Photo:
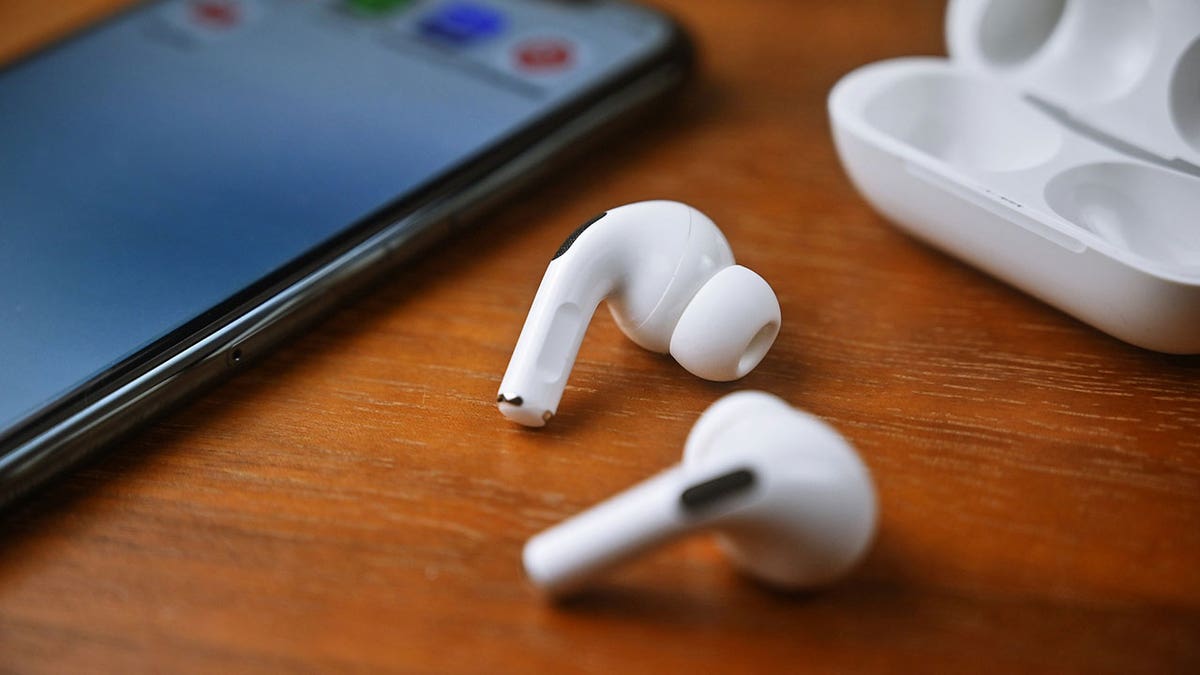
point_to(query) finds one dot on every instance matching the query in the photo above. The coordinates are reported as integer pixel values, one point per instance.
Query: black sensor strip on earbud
(704, 495)
(575, 235)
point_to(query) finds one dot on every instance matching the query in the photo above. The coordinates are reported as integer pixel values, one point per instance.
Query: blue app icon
(462, 23)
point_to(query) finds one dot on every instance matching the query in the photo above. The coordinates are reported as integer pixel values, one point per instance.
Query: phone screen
(153, 167)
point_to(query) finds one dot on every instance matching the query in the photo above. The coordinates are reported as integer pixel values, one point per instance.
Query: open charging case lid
(1058, 149)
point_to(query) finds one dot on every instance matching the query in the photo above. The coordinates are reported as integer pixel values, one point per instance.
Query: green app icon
(376, 6)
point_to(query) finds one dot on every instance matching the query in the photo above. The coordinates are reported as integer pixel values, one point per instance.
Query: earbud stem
(537, 374)
(561, 558)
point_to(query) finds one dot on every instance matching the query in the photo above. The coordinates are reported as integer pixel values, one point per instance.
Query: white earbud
(790, 499)
(669, 279)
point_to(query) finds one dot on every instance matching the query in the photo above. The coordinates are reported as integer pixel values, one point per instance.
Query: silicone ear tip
(728, 327)
(724, 413)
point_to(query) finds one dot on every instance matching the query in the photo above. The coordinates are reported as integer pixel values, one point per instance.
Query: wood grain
(355, 502)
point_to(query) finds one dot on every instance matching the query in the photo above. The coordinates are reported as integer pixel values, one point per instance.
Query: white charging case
(1058, 149)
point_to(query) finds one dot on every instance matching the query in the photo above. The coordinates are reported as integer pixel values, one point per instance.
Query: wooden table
(355, 502)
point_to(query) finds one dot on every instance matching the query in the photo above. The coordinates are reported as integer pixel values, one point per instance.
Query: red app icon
(211, 20)
(216, 14)
(544, 55)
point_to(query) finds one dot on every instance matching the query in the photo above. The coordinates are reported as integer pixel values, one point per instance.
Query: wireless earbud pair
(791, 500)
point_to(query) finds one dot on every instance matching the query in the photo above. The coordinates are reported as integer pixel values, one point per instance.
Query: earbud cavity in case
(1057, 149)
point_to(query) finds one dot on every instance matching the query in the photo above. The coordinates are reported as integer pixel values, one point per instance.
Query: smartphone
(189, 181)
